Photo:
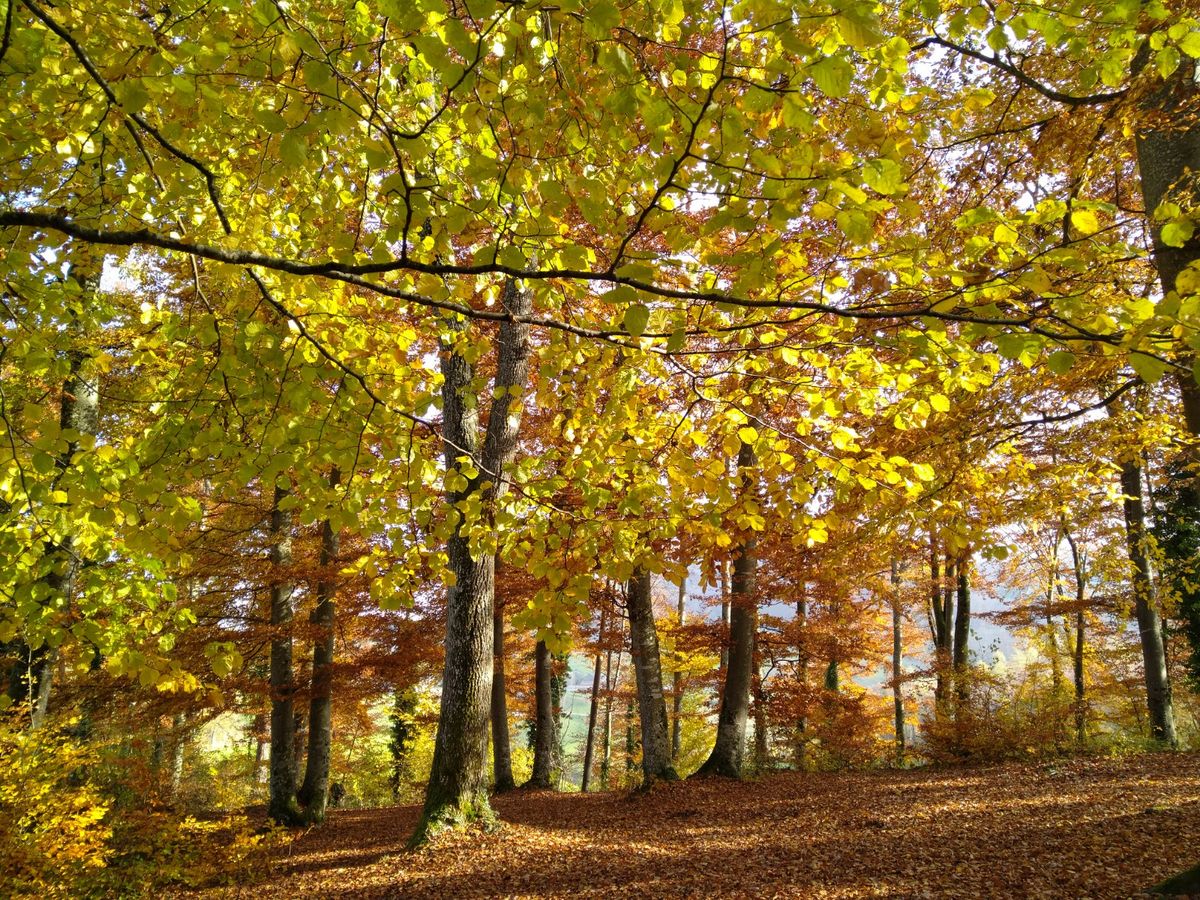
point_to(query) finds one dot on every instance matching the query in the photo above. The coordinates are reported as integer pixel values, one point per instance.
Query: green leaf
(1190, 44)
(883, 176)
(1178, 232)
(1060, 361)
(832, 75)
(637, 317)
(1149, 368)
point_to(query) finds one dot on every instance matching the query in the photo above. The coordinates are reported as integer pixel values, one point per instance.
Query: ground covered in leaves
(1075, 828)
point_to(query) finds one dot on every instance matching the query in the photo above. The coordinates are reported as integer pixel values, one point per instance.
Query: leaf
(1149, 368)
(1085, 221)
(1178, 232)
(637, 317)
(832, 75)
(1060, 361)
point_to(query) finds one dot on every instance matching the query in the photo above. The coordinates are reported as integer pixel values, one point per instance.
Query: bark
(941, 636)
(543, 726)
(606, 754)
(725, 615)
(314, 793)
(1080, 696)
(729, 750)
(1158, 687)
(457, 789)
(501, 743)
(801, 677)
(762, 750)
(31, 678)
(589, 753)
(647, 671)
(897, 657)
(677, 682)
(282, 803)
(962, 627)
(179, 742)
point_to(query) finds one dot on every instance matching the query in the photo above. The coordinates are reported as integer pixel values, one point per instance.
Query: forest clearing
(778, 418)
(1075, 828)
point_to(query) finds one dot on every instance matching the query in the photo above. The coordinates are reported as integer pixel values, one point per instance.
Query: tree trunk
(938, 619)
(962, 627)
(647, 671)
(501, 744)
(606, 755)
(725, 616)
(314, 793)
(543, 726)
(729, 750)
(677, 682)
(1080, 697)
(457, 790)
(593, 712)
(1158, 687)
(801, 677)
(762, 750)
(897, 657)
(32, 677)
(282, 804)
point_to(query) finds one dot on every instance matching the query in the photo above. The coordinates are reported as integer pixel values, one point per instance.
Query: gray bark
(962, 626)
(897, 658)
(282, 803)
(501, 745)
(314, 793)
(729, 750)
(543, 724)
(457, 790)
(1158, 687)
(647, 670)
(1080, 695)
(593, 712)
(677, 682)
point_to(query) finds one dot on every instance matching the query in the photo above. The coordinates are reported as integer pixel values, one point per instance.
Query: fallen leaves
(1098, 828)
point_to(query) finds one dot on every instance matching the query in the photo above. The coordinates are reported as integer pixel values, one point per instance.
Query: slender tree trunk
(593, 710)
(179, 742)
(1080, 697)
(457, 789)
(725, 616)
(677, 682)
(606, 754)
(282, 804)
(801, 677)
(897, 657)
(543, 723)
(1158, 687)
(314, 793)
(501, 744)
(962, 627)
(938, 619)
(32, 678)
(730, 747)
(647, 671)
(762, 750)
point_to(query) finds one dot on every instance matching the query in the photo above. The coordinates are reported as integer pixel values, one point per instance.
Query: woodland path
(1100, 828)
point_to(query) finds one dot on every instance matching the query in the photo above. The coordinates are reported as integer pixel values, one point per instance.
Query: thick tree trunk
(729, 750)
(543, 723)
(501, 743)
(897, 657)
(457, 790)
(647, 671)
(1158, 687)
(677, 682)
(282, 803)
(314, 793)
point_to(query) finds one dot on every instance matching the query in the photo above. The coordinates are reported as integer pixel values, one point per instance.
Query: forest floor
(1071, 828)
